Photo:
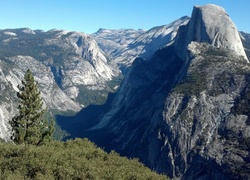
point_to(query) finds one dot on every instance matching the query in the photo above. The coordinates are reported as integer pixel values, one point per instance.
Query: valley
(175, 96)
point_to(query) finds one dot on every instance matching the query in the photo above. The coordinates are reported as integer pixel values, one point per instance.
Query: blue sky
(90, 15)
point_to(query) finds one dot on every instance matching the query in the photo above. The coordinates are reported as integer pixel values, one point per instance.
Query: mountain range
(175, 96)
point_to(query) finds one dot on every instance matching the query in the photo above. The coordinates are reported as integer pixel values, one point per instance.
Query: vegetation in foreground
(74, 159)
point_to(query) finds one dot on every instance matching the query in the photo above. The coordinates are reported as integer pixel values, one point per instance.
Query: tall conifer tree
(30, 127)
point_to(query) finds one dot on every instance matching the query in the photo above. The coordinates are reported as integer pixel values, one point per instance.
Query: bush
(74, 159)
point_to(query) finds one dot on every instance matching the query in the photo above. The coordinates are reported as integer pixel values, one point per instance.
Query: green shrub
(74, 159)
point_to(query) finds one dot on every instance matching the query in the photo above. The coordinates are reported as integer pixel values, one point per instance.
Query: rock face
(210, 23)
(112, 41)
(70, 68)
(143, 44)
(184, 112)
(54, 97)
(84, 65)
(245, 38)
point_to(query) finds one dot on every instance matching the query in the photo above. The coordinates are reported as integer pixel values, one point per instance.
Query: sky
(90, 15)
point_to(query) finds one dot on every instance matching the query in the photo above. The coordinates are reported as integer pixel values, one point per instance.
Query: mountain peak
(210, 23)
(211, 8)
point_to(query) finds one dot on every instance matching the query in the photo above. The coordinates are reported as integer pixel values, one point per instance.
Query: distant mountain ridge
(113, 40)
(143, 44)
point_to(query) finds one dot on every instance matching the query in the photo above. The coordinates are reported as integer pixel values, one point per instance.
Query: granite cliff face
(185, 111)
(211, 24)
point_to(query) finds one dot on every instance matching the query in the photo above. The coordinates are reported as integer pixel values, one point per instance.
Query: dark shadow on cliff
(77, 125)
(207, 168)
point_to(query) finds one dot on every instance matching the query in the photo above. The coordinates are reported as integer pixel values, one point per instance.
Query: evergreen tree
(30, 127)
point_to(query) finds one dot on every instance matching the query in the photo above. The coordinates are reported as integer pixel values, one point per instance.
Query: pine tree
(30, 127)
